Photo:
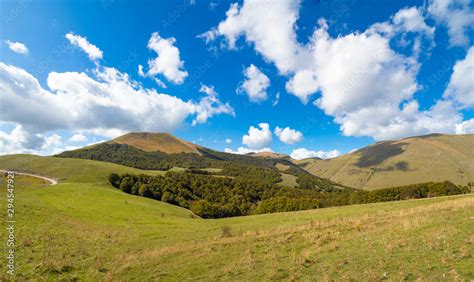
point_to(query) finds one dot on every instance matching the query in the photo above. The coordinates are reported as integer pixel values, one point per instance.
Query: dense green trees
(254, 191)
(314, 183)
(206, 195)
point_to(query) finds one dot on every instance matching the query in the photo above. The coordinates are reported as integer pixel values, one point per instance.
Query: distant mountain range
(434, 157)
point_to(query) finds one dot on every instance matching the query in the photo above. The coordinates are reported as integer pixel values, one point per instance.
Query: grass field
(68, 170)
(288, 180)
(84, 229)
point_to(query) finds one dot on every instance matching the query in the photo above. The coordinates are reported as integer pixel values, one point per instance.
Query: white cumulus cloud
(465, 127)
(107, 103)
(91, 50)
(243, 150)
(78, 137)
(268, 25)
(288, 135)
(461, 84)
(457, 15)
(364, 84)
(257, 139)
(167, 63)
(303, 153)
(17, 47)
(210, 105)
(255, 84)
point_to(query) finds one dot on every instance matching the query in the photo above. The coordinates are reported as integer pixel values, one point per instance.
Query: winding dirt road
(50, 180)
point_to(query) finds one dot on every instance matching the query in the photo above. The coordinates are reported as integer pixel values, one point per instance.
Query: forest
(255, 191)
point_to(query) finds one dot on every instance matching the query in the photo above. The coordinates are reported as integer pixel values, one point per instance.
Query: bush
(115, 179)
(226, 231)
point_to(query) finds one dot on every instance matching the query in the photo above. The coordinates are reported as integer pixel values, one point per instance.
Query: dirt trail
(50, 180)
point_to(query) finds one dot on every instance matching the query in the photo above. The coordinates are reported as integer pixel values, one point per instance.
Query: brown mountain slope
(432, 157)
(151, 142)
(269, 155)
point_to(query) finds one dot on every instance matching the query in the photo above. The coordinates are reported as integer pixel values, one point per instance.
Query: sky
(305, 78)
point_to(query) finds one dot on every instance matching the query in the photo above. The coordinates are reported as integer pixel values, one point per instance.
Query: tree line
(251, 190)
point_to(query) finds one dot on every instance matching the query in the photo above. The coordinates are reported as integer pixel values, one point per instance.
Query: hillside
(151, 142)
(68, 170)
(411, 160)
(269, 155)
(90, 231)
(162, 151)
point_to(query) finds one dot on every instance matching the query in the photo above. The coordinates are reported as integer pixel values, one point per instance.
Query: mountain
(434, 157)
(271, 155)
(162, 151)
(152, 142)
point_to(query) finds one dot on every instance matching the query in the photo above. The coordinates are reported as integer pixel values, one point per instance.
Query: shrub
(226, 231)
(115, 179)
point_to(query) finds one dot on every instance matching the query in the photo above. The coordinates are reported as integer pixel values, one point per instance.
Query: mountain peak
(157, 141)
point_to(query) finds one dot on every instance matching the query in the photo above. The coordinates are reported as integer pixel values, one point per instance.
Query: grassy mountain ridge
(152, 142)
(134, 155)
(434, 157)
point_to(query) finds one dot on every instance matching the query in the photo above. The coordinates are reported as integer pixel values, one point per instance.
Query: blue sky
(348, 73)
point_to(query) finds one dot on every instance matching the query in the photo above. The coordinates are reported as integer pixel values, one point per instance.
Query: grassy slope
(151, 142)
(91, 231)
(430, 158)
(288, 180)
(67, 170)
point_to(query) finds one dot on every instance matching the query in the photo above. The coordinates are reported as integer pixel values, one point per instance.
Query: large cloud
(257, 139)
(465, 127)
(362, 82)
(109, 102)
(458, 17)
(167, 63)
(461, 85)
(21, 141)
(268, 25)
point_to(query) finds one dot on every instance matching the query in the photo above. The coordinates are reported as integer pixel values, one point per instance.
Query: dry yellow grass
(288, 180)
(163, 142)
(269, 155)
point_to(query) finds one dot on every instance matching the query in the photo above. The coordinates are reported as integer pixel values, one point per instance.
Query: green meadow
(84, 229)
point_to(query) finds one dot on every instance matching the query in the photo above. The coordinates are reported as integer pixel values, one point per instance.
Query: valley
(101, 233)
